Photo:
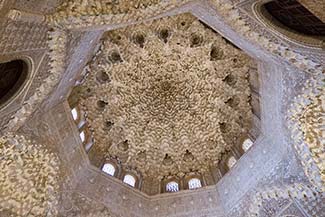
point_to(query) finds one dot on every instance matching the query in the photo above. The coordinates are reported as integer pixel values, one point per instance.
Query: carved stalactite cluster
(28, 178)
(307, 125)
(296, 191)
(232, 16)
(91, 7)
(306, 120)
(308, 142)
(230, 13)
(167, 97)
(314, 206)
(312, 124)
(87, 13)
(306, 114)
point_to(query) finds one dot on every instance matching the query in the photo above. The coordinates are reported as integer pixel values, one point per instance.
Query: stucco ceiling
(167, 97)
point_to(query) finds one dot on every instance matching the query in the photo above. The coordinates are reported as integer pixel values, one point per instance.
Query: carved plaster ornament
(188, 156)
(86, 17)
(305, 118)
(123, 146)
(231, 14)
(79, 14)
(167, 160)
(14, 14)
(56, 43)
(293, 191)
(28, 179)
(175, 91)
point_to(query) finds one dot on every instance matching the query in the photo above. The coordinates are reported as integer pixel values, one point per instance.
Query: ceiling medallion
(172, 94)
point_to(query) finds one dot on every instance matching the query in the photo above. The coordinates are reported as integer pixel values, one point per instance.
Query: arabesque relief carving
(167, 109)
(29, 180)
(167, 98)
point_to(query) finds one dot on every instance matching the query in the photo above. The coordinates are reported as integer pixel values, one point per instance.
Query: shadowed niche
(13, 75)
(295, 16)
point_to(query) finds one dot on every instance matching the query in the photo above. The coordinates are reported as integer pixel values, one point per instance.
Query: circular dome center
(166, 86)
(167, 94)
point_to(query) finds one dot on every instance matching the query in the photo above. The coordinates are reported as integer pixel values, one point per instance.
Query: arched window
(82, 136)
(292, 20)
(129, 179)
(194, 183)
(295, 16)
(231, 162)
(172, 187)
(109, 169)
(247, 144)
(74, 113)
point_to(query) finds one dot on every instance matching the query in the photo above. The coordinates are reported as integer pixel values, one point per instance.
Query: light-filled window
(247, 144)
(231, 162)
(74, 113)
(109, 169)
(172, 187)
(194, 183)
(130, 180)
(82, 136)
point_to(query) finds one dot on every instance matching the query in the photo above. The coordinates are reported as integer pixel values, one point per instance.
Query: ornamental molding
(20, 94)
(29, 178)
(305, 118)
(56, 44)
(283, 32)
(168, 97)
(225, 9)
(232, 17)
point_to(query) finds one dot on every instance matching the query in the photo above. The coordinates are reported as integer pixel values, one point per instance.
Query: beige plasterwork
(178, 106)
(307, 118)
(223, 7)
(89, 13)
(29, 178)
(233, 18)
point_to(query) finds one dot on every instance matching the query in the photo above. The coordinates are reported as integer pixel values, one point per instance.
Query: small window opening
(194, 183)
(82, 136)
(231, 162)
(247, 144)
(130, 180)
(172, 187)
(74, 113)
(109, 169)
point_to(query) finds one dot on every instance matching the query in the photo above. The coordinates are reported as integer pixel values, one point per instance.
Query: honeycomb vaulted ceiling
(166, 97)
